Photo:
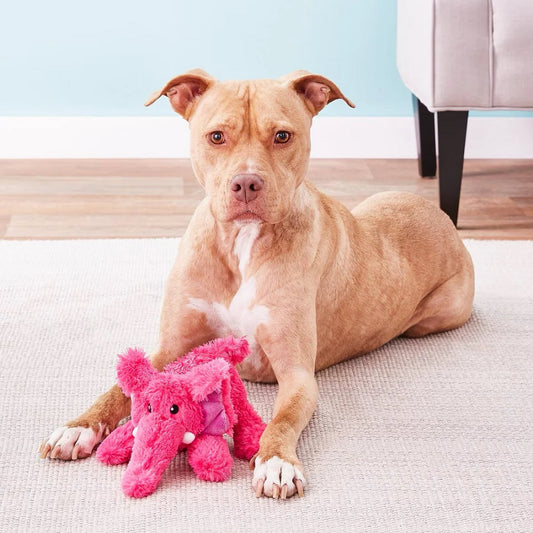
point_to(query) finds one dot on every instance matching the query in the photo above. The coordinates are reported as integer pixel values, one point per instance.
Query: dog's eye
(282, 137)
(217, 137)
(174, 409)
(149, 408)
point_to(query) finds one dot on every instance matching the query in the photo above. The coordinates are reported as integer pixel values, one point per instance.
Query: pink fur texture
(192, 403)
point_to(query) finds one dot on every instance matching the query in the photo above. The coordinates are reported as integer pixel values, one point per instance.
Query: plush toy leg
(116, 448)
(247, 432)
(210, 458)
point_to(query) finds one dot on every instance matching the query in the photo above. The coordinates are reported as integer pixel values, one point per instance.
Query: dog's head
(250, 140)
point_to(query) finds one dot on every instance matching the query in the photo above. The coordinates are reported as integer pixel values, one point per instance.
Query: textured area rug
(433, 434)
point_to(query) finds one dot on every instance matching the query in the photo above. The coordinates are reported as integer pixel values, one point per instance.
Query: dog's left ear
(316, 91)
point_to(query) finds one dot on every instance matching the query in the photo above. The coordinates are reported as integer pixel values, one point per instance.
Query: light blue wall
(104, 57)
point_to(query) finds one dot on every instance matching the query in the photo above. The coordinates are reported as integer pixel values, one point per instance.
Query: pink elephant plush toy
(191, 404)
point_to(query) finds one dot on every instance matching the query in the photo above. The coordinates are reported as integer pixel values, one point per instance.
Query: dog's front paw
(277, 478)
(71, 443)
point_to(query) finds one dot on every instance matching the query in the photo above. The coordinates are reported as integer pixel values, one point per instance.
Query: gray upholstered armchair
(458, 55)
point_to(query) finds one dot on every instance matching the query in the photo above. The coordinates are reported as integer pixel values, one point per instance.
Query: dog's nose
(246, 187)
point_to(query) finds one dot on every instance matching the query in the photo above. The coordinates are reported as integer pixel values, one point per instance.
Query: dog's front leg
(277, 469)
(78, 438)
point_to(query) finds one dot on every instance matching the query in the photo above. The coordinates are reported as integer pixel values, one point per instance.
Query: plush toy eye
(149, 408)
(282, 137)
(174, 409)
(217, 137)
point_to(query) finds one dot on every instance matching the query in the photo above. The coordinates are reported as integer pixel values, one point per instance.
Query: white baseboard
(168, 137)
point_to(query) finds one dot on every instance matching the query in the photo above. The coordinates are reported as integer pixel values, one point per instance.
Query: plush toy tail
(231, 349)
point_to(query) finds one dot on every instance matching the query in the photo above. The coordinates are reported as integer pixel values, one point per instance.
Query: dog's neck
(238, 243)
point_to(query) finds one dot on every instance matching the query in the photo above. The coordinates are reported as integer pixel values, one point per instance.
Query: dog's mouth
(247, 216)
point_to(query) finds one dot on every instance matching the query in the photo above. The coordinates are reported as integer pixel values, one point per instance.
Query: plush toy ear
(134, 371)
(184, 90)
(315, 90)
(204, 379)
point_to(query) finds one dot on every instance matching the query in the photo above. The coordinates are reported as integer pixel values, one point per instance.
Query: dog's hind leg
(446, 307)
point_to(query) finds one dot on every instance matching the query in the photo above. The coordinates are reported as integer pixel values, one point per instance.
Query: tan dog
(268, 256)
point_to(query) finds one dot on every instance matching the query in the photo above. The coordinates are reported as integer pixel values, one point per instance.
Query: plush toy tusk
(134, 432)
(188, 437)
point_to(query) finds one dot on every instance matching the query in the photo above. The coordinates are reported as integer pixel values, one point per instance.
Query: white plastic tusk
(188, 437)
(134, 432)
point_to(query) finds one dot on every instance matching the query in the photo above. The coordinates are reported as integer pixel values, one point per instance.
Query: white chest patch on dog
(243, 245)
(241, 318)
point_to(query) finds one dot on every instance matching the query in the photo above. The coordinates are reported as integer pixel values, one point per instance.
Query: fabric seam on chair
(490, 6)
(433, 69)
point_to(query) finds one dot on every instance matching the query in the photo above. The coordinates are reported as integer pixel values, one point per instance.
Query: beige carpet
(434, 434)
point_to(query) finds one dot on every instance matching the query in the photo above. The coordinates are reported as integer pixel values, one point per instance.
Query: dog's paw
(277, 478)
(71, 443)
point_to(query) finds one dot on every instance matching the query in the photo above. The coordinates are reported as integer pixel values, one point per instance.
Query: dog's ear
(316, 91)
(183, 90)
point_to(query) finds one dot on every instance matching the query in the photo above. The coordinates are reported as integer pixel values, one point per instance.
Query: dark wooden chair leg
(425, 139)
(452, 135)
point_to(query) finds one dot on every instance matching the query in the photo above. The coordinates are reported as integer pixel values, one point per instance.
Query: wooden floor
(71, 199)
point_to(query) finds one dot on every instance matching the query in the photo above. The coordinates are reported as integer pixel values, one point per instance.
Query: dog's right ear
(184, 90)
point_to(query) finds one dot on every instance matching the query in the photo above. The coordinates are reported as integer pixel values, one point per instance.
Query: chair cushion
(475, 54)
(512, 48)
